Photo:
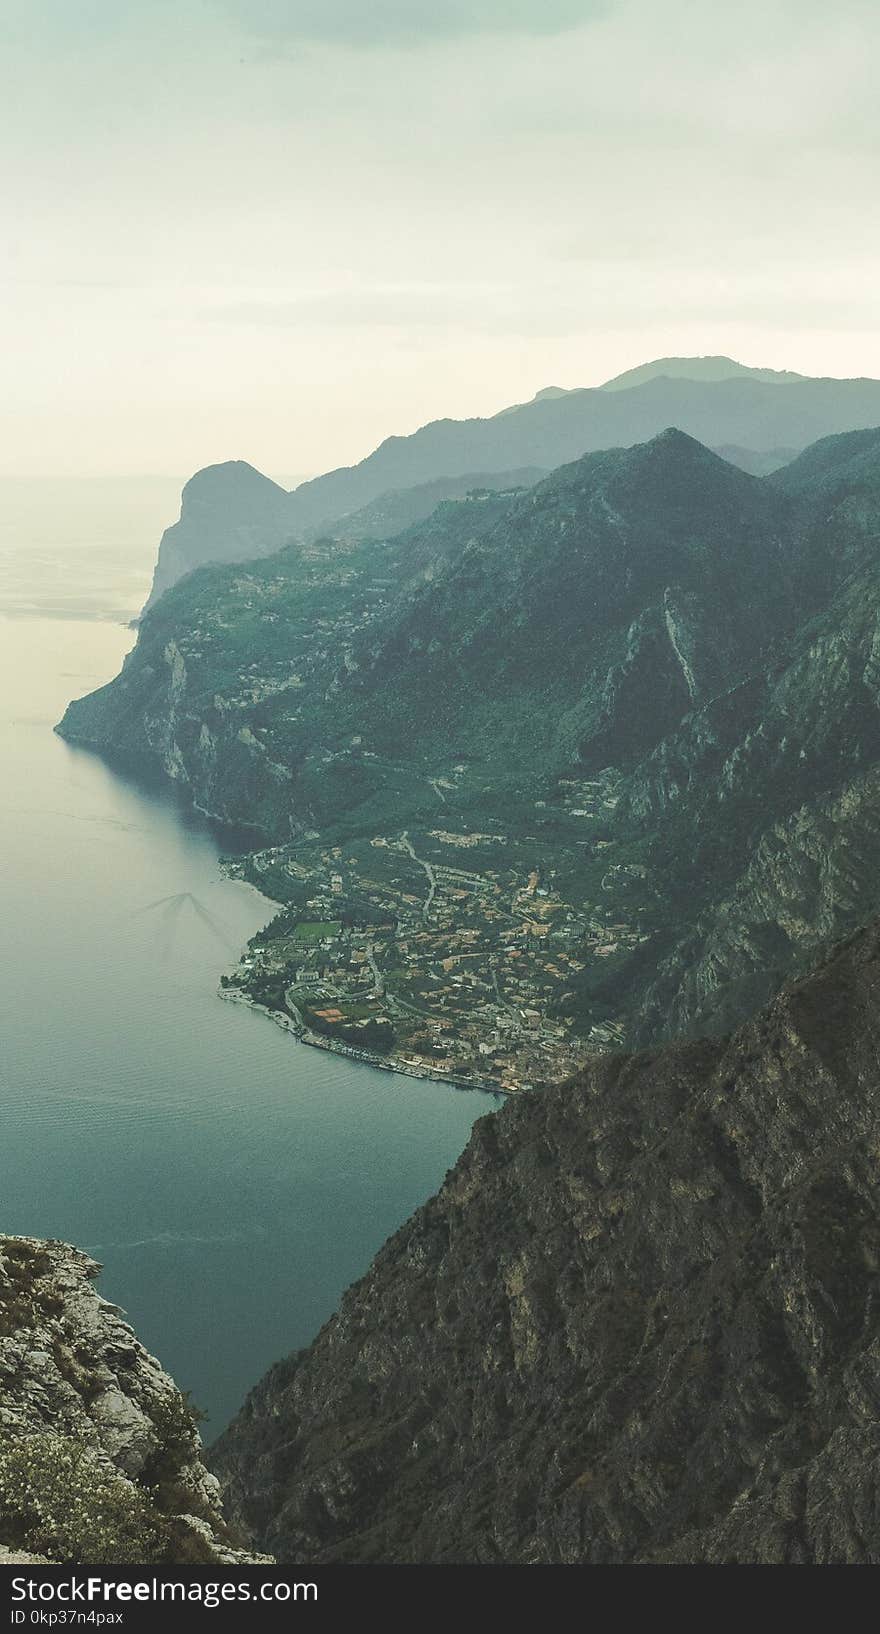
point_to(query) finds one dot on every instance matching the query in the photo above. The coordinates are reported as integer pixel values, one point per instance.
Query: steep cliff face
(228, 513)
(638, 1323)
(100, 1459)
(766, 799)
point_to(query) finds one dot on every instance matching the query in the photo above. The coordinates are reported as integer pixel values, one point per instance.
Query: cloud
(404, 22)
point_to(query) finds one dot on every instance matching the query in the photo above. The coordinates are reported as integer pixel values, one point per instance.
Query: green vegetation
(365, 1032)
(27, 1298)
(315, 931)
(58, 1498)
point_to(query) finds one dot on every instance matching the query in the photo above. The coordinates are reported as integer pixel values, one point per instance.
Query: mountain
(577, 621)
(100, 1457)
(768, 797)
(627, 721)
(230, 513)
(638, 1323)
(590, 764)
(698, 368)
(392, 512)
(742, 411)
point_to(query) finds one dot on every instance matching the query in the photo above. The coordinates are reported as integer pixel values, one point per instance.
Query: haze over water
(232, 1181)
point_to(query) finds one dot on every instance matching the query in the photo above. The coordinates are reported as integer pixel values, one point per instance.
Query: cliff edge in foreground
(100, 1460)
(640, 1322)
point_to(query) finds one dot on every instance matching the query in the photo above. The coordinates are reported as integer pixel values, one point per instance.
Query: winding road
(432, 878)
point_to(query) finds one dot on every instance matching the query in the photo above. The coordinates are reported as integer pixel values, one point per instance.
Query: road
(432, 878)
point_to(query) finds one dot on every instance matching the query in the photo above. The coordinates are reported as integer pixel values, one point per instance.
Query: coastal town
(458, 955)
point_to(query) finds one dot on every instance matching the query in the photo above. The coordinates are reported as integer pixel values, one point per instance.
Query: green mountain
(645, 689)
(638, 1323)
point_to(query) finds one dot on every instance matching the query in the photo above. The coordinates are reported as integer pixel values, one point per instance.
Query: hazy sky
(281, 229)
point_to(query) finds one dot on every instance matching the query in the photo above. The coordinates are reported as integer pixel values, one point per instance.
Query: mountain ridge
(709, 368)
(740, 413)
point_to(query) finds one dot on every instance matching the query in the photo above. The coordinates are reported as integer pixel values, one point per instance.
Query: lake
(231, 1180)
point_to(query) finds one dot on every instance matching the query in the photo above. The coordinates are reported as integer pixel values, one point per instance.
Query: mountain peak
(674, 437)
(709, 370)
(676, 447)
(231, 477)
(229, 512)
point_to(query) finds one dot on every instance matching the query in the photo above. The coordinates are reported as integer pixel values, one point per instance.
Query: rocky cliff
(639, 1322)
(100, 1458)
(227, 513)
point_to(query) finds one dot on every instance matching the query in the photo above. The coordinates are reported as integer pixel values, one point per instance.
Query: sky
(281, 230)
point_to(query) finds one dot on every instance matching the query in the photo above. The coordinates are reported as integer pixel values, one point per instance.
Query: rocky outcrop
(86, 1411)
(638, 1323)
(228, 513)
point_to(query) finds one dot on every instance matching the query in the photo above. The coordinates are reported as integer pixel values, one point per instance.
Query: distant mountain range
(761, 417)
(706, 369)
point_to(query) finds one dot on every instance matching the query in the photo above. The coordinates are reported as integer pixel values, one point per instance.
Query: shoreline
(284, 1020)
(138, 763)
(304, 1035)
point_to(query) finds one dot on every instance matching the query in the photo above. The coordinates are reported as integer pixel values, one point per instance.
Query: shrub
(57, 1499)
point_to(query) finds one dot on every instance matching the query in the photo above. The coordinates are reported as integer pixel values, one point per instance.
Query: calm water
(232, 1181)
